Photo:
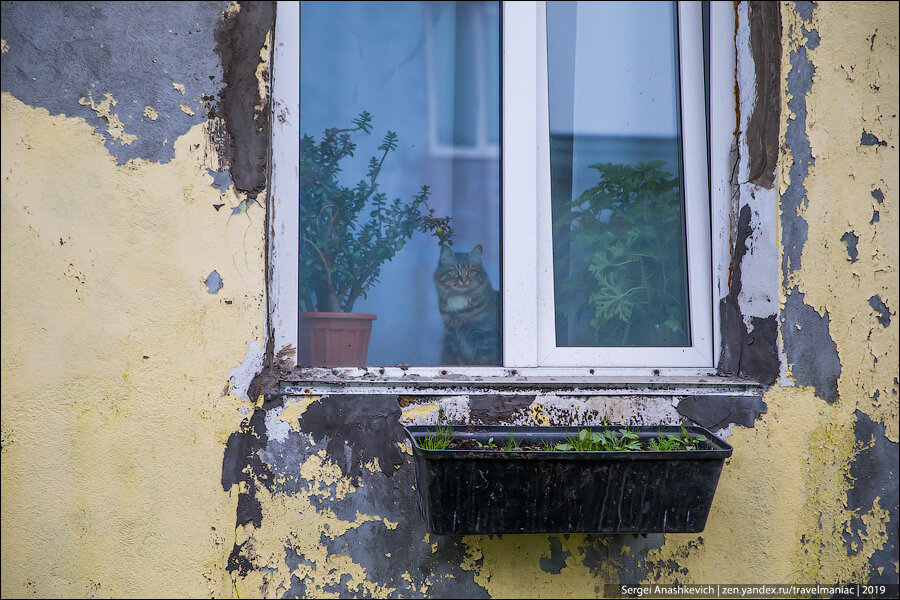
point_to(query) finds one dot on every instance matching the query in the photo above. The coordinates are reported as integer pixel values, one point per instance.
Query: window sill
(501, 380)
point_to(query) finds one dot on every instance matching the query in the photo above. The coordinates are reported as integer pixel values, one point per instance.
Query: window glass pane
(619, 258)
(429, 73)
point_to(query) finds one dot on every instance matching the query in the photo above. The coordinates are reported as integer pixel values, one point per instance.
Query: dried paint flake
(116, 128)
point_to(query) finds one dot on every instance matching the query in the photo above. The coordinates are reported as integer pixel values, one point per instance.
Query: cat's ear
(475, 254)
(447, 254)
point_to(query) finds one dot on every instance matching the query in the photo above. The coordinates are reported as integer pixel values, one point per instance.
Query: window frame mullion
(520, 157)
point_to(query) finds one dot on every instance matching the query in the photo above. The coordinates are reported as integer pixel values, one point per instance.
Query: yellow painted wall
(111, 462)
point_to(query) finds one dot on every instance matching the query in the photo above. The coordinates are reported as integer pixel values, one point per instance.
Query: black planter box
(494, 491)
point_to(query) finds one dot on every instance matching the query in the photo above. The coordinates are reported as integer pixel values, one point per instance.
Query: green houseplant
(627, 235)
(347, 233)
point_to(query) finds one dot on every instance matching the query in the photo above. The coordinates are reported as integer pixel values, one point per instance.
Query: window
(581, 219)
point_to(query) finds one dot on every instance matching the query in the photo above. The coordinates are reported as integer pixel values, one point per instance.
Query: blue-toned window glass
(430, 73)
(620, 267)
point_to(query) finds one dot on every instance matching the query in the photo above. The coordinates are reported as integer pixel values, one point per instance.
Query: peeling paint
(119, 466)
(62, 52)
(116, 128)
(878, 305)
(872, 492)
(241, 375)
(252, 492)
(213, 282)
(851, 239)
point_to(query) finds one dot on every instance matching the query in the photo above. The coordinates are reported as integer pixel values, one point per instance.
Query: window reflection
(620, 276)
(430, 73)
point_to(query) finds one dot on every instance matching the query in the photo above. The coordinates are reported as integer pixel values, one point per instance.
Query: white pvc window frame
(528, 335)
(525, 70)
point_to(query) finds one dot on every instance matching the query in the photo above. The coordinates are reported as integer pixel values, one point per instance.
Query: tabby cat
(470, 309)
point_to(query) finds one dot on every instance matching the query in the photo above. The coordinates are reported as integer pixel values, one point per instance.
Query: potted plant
(341, 254)
(610, 479)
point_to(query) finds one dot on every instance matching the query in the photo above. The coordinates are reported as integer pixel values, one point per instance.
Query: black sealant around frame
(239, 40)
(749, 353)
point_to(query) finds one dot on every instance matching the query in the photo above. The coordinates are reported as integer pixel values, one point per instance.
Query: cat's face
(460, 272)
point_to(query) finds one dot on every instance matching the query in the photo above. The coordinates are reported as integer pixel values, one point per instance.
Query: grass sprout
(511, 443)
(441, 437)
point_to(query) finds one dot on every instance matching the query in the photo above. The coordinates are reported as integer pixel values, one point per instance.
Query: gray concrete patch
(221, 180)
(878, 305)
(62, 52)
(213, 282)
(752, 354)
(851, 239)
(358, 429)
(556, 562)
(810, 350)
(868, 139)
(762, 130)
(873, 474)
(246, 115)
(808, 346)
(794, 228)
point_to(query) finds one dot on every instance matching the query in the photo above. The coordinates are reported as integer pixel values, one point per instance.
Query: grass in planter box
(585, 441)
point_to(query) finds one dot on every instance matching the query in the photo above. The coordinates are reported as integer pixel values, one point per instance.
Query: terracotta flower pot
(334, 339)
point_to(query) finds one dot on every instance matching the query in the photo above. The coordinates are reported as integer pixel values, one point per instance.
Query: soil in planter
(470, 444)
(528, 446)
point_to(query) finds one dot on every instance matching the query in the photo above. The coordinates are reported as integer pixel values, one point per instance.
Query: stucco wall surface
(133, 464)
(116, 355)
(810, 494)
